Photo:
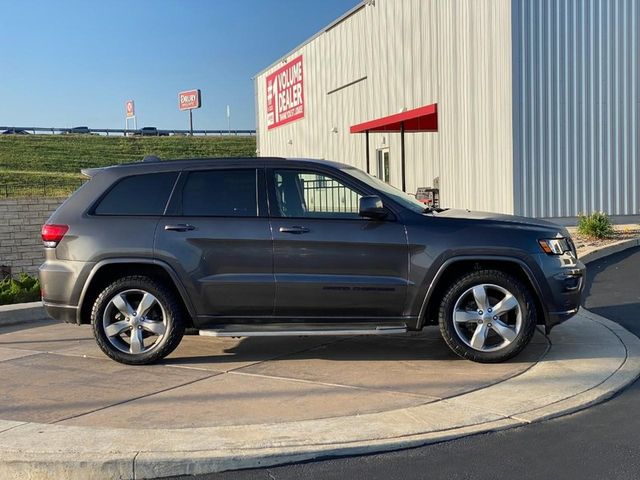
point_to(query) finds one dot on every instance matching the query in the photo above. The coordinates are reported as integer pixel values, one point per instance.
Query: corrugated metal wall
(576, 107)
(456, 53)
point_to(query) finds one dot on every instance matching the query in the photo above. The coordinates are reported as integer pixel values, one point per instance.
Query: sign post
(130, 114)
(188, 100)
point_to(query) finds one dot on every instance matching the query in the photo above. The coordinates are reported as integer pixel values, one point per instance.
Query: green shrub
(19, 290)
(596, 225)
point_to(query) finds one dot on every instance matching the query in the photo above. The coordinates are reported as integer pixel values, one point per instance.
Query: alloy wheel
(487, 317)
(134, 321)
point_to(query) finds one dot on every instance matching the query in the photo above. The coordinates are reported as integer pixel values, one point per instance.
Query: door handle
(180, 227)
(295, 229)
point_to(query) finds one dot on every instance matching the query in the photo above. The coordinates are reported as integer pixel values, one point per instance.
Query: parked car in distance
(77, 131)
(274, 246)
(152, 131)
(15, 131)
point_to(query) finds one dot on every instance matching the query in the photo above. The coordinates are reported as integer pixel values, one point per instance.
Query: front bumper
(556, 318)
(565, 281)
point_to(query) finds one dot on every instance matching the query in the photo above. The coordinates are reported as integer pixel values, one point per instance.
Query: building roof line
(333, 24)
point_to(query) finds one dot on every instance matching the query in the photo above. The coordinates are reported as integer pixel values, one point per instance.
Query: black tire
(457, 291)
(171, 310)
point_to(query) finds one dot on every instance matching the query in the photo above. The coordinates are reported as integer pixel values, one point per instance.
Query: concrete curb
(21, 313)
(598, 253)
(591, 358)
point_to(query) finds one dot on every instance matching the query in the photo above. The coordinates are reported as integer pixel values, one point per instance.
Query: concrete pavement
(219, 404)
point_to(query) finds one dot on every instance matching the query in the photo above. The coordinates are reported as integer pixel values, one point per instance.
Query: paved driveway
(55, 373)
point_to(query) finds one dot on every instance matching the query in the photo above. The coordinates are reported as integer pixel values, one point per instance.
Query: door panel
(354, 268)
(227, 263)
(329, 262)
(218, 238)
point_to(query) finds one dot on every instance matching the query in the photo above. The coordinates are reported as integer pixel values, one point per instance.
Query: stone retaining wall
(20, 223)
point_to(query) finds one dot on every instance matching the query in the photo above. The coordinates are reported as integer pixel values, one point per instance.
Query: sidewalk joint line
(518, 419)
(133, 466)
(612, 374)
(30, 354)
(11, 428)
(135, 398)
(533, 364)
(337, 385)
(308, 349)
(258, 362)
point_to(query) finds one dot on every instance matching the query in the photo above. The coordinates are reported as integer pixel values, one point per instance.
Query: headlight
(555, 246)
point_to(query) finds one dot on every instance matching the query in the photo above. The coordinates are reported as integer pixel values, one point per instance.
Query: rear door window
(220, 193)
(138, 195)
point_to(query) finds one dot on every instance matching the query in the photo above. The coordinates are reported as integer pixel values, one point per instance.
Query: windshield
(396, 195)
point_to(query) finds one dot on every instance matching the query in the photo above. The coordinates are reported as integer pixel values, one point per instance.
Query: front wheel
(487, 316)
(137, 320)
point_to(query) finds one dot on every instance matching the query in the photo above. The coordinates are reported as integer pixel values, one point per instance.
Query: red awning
(421, 119)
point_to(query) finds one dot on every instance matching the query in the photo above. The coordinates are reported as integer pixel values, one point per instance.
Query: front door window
(301, 194)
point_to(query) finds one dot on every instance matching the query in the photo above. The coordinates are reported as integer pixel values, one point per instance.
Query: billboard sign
(130, 108)
(285, 94)
(189, 99)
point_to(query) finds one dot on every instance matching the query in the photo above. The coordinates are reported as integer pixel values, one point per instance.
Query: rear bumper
(62, 313)
(61, 282)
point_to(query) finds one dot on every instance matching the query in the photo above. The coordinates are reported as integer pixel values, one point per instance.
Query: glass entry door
(382, 155)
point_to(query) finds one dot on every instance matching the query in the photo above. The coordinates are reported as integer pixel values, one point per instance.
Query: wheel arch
(105, 271)
(454, 267)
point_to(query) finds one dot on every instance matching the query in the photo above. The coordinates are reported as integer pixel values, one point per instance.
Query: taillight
(52, 234)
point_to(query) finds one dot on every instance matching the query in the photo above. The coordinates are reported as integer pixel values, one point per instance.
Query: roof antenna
(151, 158)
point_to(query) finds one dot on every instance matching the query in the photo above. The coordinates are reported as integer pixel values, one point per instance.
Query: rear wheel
(487, 316)
(137, 320)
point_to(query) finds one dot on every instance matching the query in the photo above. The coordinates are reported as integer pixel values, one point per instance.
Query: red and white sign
(189, 99)
(130, 108)
(285, 94)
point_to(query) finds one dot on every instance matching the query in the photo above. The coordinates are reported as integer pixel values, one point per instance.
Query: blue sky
(70, 63)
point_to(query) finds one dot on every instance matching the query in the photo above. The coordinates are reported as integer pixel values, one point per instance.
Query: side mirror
(371, 207)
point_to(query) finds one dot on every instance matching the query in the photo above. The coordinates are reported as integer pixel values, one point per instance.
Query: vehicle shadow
(411, 348)
(15, 327)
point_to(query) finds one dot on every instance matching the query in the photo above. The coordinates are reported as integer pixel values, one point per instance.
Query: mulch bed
(625, 232)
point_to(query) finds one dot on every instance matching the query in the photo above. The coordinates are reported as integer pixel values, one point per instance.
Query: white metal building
(517, 106)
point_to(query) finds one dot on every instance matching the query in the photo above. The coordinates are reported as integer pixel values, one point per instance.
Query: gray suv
(273, 246)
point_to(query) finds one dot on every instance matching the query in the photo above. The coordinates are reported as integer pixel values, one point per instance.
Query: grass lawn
(50, 164)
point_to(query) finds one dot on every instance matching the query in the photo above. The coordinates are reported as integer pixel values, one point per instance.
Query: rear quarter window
(145, 194)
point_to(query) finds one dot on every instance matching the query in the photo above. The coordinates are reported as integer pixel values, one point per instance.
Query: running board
(301, 330)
